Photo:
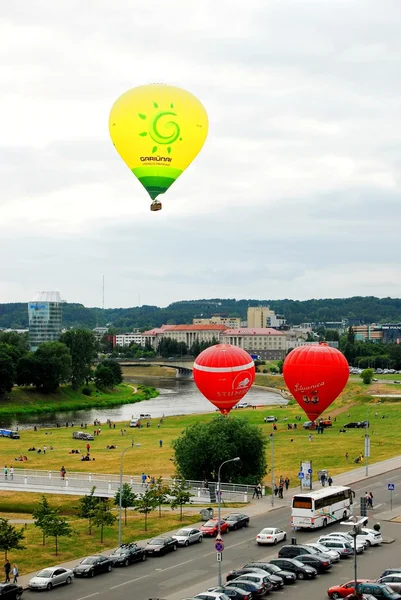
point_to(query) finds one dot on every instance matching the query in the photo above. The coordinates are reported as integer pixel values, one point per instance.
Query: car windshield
(183, 532)
(233, 516)
(120, 551)
(89, 561)
(46, 573)
(267, 531)
(210, 524)
(157, 542)
(390, 593)
(297, 563)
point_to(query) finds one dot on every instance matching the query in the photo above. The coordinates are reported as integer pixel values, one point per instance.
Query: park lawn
(27, 400)
(142, 371)
(81, 543)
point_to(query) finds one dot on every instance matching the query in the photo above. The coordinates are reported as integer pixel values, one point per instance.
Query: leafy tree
(53, 525)
(202, 447)
(10, 537)
(280, 365)
(145, 504)
(104, 377)
(53, 366)
(367, 375)
(102, 516)
(28, 370)
(181, 495)
(7, 369)
(86, 506)
(350, 336)
(160, 491)
(115, 367)
(82, 345)
(19, 341)
(40, 512)
(127, 498)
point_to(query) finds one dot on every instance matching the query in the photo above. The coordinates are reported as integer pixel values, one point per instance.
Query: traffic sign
(301, 475)
(391, 487)
(219, 546)
(219, 557)
(310, 471)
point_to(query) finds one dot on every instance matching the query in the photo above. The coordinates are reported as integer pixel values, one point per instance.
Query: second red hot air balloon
(224, 374)
(315, 376)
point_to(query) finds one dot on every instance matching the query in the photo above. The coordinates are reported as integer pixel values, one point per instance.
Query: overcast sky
(296, 193)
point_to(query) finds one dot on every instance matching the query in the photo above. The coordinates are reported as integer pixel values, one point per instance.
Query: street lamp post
(121, 493)
(367, 443)
(236, 459)
(272, 469)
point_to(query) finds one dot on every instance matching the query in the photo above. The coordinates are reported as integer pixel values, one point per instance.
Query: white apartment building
(261, 317)
(231, 322)
(126, 339)
(266, 342)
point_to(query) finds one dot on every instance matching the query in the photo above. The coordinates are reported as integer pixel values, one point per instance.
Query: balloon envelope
(315, 376)
(158, 130)
(224, 374)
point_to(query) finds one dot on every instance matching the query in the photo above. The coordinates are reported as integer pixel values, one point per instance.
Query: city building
(372, 333)
(194, 333)
(153, 336)
(261, 317)
(126, 339)
(231, 322)
(267, 343)
(291, 344)
(45, 318)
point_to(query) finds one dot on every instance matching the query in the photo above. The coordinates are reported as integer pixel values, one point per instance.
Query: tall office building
(262, 316)
(45, 318)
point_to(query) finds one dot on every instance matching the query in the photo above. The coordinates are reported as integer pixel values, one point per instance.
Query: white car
(188, 535)
(49, 578)
(211, 596)
(372, 537)
(350, 538)
(270, 535)
(344, 540)
(335, 557)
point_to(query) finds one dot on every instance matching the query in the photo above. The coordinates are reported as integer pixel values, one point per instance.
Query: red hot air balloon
(315, 376)
(224, 374)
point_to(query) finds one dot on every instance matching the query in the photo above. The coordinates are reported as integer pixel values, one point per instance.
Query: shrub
(86, 391)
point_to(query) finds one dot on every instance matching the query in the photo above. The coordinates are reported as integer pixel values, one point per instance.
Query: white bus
(322, 507)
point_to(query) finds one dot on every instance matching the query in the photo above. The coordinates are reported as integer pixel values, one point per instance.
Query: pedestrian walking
(275, 489)
(15, 573)
(11, 473)
(286, 483)
(5, 472)
(330, 481)
(255, 492)
(323, 479)
(7, 569)
(44, 449)
(310, 437)
(88, 447)
(161, 443)
(280, 490)
(346, 456)
(143, 477)
(370, 499)
(62, 472)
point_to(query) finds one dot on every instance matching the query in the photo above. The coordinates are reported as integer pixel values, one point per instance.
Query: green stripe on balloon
(159, 182)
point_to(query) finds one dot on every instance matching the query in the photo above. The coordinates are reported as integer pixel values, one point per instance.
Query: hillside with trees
(368, 309)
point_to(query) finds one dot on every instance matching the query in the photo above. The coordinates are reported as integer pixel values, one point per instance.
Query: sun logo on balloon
(163, 132)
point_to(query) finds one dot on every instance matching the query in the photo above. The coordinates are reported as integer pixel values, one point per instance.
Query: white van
(135, 423)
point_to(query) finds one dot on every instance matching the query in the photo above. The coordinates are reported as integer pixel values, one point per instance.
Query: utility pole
(272, 468)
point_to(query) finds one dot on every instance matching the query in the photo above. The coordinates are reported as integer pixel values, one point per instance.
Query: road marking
(121, 584)
(90, 596)
(183, 563)
(378, 505)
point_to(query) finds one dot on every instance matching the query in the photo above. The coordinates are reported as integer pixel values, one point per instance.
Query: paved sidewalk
(263, 506)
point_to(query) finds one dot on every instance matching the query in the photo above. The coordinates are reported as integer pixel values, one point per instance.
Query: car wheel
(143, 557)
(109, 568)
(49, 587)
(126, 562)
(246, 523)
(368, 543)
(174, 548)
(200, 538)
(285, 537)
(300, 576)
(68, 580)
(186, 543)
(18, 596)
(92, 573)
(335, 595)
(275, 541)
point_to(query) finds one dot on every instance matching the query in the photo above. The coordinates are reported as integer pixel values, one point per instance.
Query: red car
(211, 527)
(344, 590)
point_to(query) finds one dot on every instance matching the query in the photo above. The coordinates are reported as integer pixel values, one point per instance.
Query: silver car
(393, 581)
(49, 578)
(188, 535)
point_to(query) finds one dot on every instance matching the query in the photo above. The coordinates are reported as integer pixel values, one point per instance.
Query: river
(176, 397)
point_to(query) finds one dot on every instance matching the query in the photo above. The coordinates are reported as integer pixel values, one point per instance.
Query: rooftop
(253, 331)
(47, 297)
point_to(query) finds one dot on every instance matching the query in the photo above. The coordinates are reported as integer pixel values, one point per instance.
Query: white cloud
(296, 192)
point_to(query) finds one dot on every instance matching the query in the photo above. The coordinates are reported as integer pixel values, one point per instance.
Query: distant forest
(368, 309)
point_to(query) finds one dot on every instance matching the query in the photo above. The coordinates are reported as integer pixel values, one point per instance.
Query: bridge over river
(80, 484)
(183, 367)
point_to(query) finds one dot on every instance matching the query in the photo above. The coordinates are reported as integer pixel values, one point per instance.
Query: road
(191, 570)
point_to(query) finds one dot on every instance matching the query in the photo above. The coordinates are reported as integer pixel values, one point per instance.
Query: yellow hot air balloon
(158, 130)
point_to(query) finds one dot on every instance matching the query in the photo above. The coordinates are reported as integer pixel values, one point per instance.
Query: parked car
(270, 535)
(277, 582)
(127, 554)
(309, 425)
(160, 546)
(211, 527)
(378, 590)
(82, 435)
(360, 540)
(247, 586)
(288, 577)
(211, 596)
(188, 535)
(393, 581)
(334, 556)
(297, 550)
(371, 537)
(390, 571)
(343, 590)
(93, 565)
(232, 592)
(237, 520)
(258, 579)
(292, 564)
(11, 591)
(343, 547)
(352, 425)
(270, 419)
(49, 578)
(313, 560)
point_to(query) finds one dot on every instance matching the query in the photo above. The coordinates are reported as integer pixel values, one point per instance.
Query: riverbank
(28, 401)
